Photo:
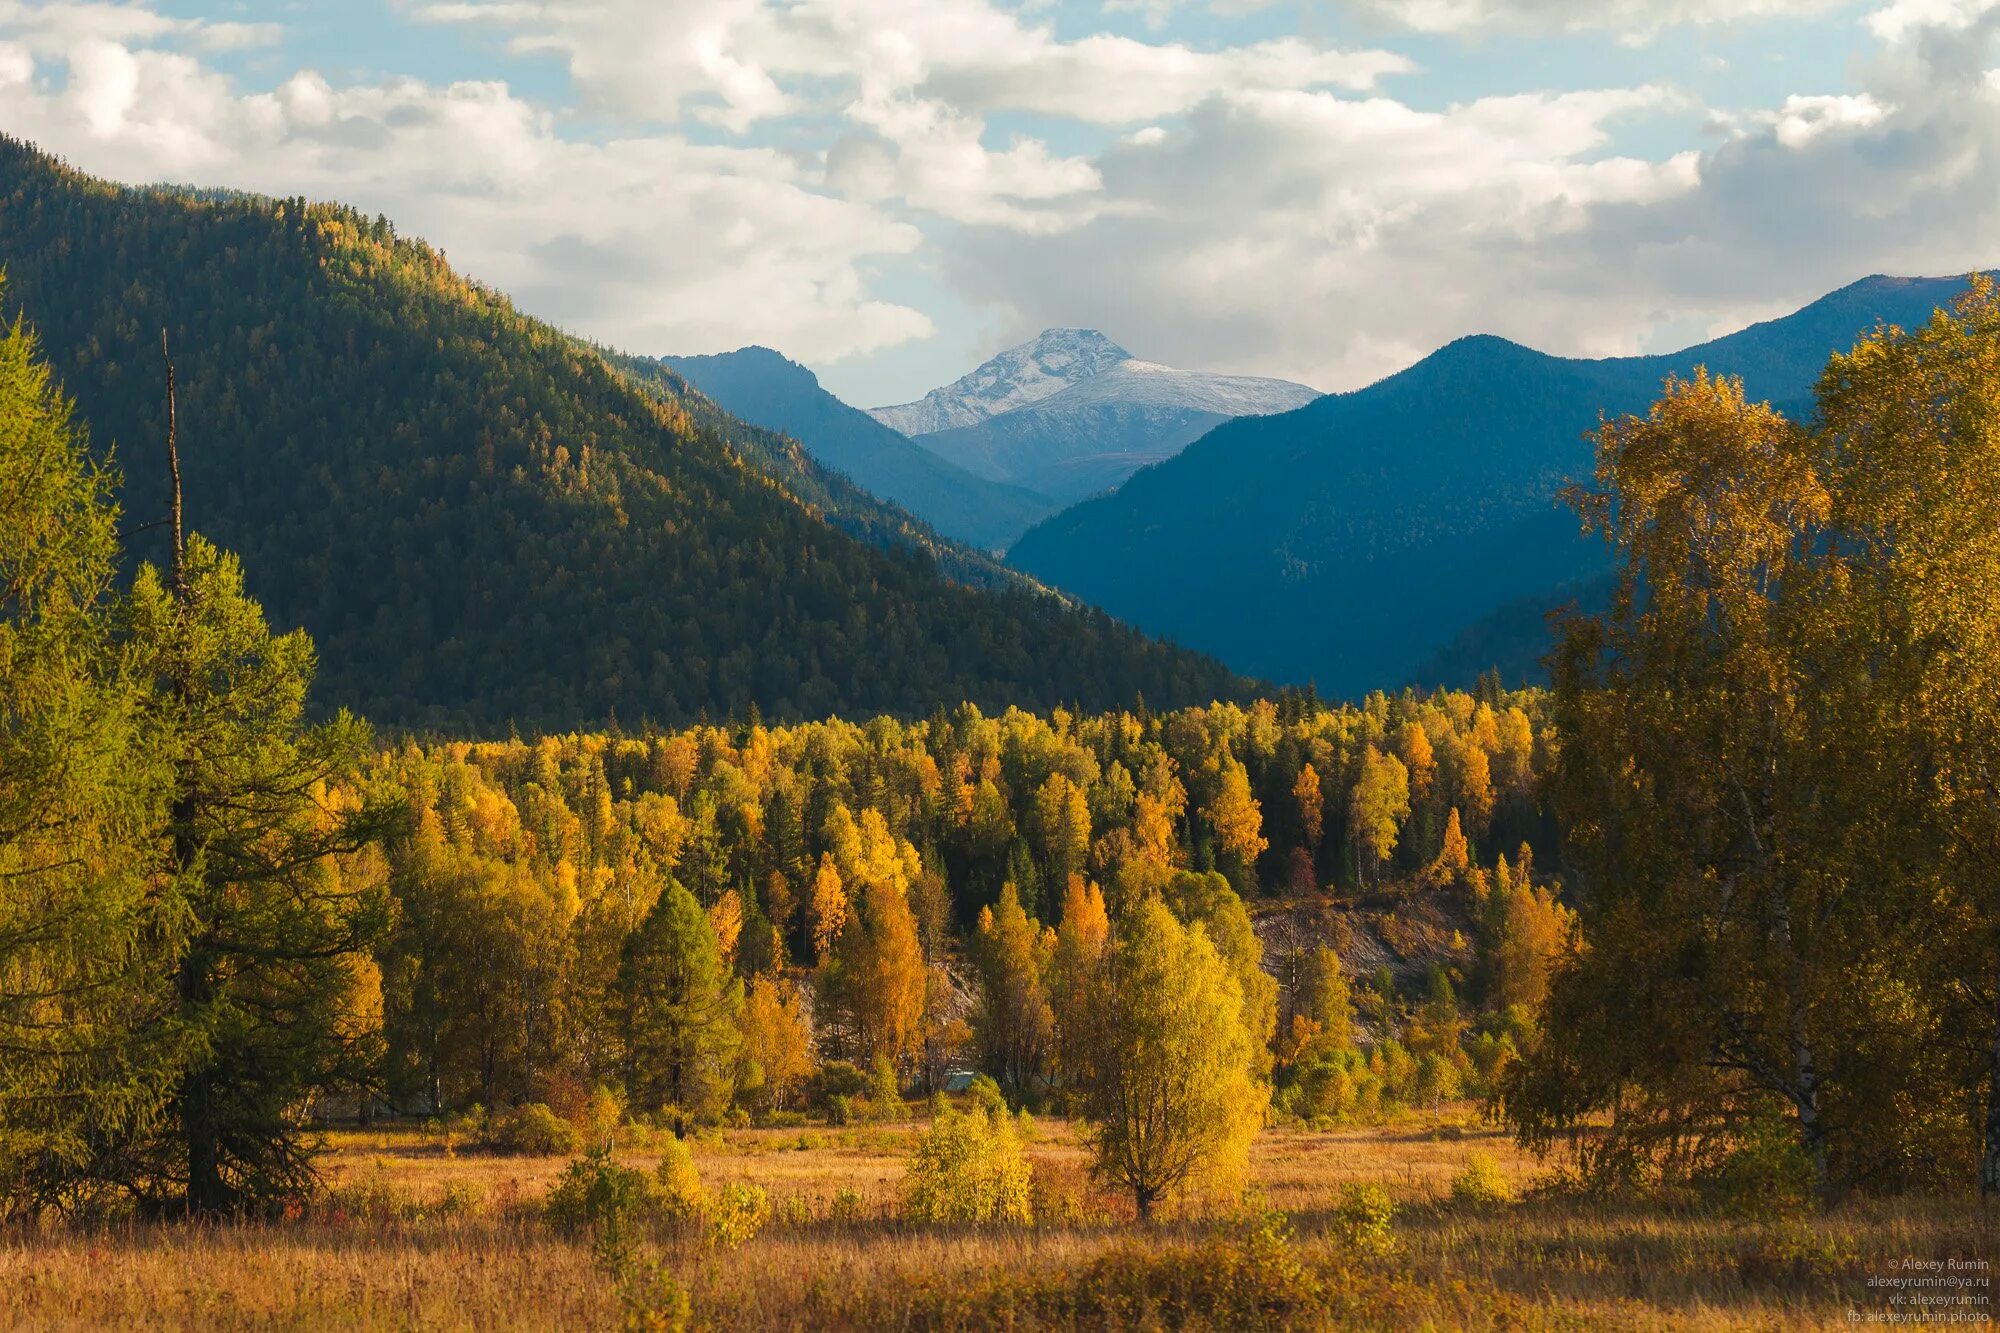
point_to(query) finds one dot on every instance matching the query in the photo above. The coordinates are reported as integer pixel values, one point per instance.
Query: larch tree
(252, 859)
(1172, 1101)
(86, 1057)
(1311, 802)
(777, 1037)
(1454, 859)
(827, 907)
(1062, 817)
(1413, 746)
(1015, 1023)
(875, 978)
(1076, 979)
(1238, 822)
(1377, 807)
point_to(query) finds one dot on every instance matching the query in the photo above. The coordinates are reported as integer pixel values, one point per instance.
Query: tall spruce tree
(678, 1011)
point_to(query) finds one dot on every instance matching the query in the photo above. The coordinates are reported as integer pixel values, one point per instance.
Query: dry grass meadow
(413, 1236)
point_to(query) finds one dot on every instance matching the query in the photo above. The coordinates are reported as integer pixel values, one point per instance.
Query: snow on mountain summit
(1072, 413)
(1039, 368)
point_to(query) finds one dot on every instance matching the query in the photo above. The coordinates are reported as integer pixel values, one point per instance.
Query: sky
(891, 190)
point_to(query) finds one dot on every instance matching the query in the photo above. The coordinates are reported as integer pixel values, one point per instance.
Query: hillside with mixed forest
(483, 522)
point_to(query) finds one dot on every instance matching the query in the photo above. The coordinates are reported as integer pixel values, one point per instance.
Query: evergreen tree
(678, 1012)
(258, 858)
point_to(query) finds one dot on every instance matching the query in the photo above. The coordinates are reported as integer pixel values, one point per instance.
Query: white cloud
(1325, 238)
(736, 57)
(1333, 240)
(1803, 119)
(652, 243)
(912, 80)
(1268, 207)
(1634, 19)
(59, 26)
(1903, 19)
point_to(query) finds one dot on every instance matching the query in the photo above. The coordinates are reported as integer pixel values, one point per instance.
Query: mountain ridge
(484, 522)
(1070, 413)
(1020, 375)
(765, 388)
(1351, 542)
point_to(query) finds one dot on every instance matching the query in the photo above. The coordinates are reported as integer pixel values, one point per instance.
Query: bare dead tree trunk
(174, 477)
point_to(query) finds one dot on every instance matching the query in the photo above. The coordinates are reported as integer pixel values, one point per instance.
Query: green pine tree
(677, 1009)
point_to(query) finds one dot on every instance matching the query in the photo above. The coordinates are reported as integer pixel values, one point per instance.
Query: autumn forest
(463, 795)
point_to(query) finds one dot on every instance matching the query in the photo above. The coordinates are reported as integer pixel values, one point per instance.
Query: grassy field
(415, 1236)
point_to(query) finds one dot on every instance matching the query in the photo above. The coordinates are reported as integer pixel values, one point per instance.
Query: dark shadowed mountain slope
(1362, 540)
(482, 521)
(757, 385)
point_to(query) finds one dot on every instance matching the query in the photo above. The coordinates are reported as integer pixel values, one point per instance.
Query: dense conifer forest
(484, 522)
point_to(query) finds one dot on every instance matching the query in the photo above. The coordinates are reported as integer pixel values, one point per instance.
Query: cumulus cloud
(61, 24)
(1335, 239)
(1903, 19)
(1329, 239)
(912, 83)
(1634, 19)
(653, 243)
(1270, 207)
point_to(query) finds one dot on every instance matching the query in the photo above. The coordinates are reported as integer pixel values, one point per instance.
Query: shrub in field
(835, 1087)
(1480, 1184)
(681, 1195)
(1365, 1218)
(455, 1198)
(1766, 1172)
(534, 1130)
(652, 1301)
(1795, 1255)
(885, 1092)
(736, 1213)
(969, 1167)
(1249, 1277)
(597, 1197)
(846, 1205)
(984, 1094)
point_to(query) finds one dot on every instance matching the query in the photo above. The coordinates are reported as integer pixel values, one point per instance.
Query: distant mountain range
(1408, 531)
(484, 522)
(1071, 413)
(765, 389)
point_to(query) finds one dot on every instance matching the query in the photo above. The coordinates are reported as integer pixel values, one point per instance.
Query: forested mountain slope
(766, 389)
(482, 521)
(1409, 530)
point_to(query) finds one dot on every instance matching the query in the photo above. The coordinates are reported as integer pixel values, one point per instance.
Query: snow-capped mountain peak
(1039, 368)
